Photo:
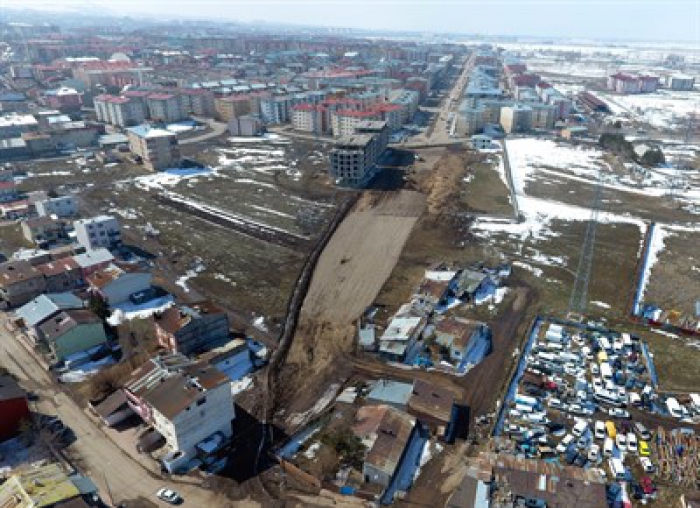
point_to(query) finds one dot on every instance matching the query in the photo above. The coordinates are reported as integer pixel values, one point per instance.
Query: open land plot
(12, 239)
(484, 191)
(664, 109)
(675, 359)
(569, 173)
(674, 278)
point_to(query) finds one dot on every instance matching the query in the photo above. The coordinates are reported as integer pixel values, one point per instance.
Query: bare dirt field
(351, 271)
(360, 256)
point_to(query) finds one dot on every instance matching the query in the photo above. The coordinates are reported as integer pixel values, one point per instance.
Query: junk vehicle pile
(587, 396)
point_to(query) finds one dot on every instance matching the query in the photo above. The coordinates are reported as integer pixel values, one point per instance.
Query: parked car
(608, 447)
(618, 413)
(621, 442)
(637, 491)
(647, 465)
(580, 428)
(581, 460)
(632, 443)
(571, 455)
(169, 496)
(642, 431)
(594, 453)
(647, 485)
(599, 431)
(644, 450)
(564, 443)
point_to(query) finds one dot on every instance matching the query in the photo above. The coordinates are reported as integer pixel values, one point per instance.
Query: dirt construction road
(351, 271)
(112, 470)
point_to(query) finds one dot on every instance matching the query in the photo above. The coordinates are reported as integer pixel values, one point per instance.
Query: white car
(580, 428)
(621, 442)
(599, 431)
(632, 443)
(595, 370)
(619, 413)
(169, 496)
(647, 464)
(594, 453)
(608, 447)
(564, 444)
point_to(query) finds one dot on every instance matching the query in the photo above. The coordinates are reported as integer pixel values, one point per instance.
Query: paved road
(107, 465)
(217, 129)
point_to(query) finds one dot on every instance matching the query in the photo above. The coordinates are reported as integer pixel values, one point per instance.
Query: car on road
(169, 496)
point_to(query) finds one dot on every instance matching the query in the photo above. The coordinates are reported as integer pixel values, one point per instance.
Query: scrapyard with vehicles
(588, 396)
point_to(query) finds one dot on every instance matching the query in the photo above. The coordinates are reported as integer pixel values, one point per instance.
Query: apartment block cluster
(139, 104)
(533, 104)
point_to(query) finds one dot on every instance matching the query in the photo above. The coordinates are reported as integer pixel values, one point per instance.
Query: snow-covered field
(662, 110)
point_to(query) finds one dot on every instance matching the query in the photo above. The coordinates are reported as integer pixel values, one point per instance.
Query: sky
(592, 19)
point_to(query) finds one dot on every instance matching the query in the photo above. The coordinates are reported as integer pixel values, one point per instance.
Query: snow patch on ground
(602, 305)
(656, 245)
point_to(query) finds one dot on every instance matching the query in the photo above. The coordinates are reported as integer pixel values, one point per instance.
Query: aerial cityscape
(309, 254)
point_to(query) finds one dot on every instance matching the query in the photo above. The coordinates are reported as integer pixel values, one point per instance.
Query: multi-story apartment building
(516, 118)
(197, 102)
(164, 107)
(102, 231)
(624, 83)
(543, 115)
(680, 82)
(275, 110)
(158, 148)
(232, 107)
(185, 402)
(14, 125)
(310, 118)
(64, 99)
(353, 159)
(120, 111)
(344, 122)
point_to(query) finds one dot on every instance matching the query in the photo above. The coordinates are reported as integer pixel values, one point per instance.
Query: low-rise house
(116, 285)
(60, 206)
(399, 336)
(183, 401)
(234, 359)
(434, 406)
(474, 285)
(61, 275)
(72, 331)
(460, 336)
(92, 261)
(385, 432)
(113, 409)
(189, 330)
(393, 393)
(33, 314)
(45, 486)
(432, 292)
(20, 282)
(13, 408)
(44, 230)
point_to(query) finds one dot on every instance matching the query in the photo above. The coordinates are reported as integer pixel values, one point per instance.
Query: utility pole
(578, 301)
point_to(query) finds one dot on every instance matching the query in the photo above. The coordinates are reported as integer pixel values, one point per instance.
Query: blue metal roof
(44, 306)
(391, 392)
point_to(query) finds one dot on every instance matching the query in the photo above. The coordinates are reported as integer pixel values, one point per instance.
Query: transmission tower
(579, 293)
